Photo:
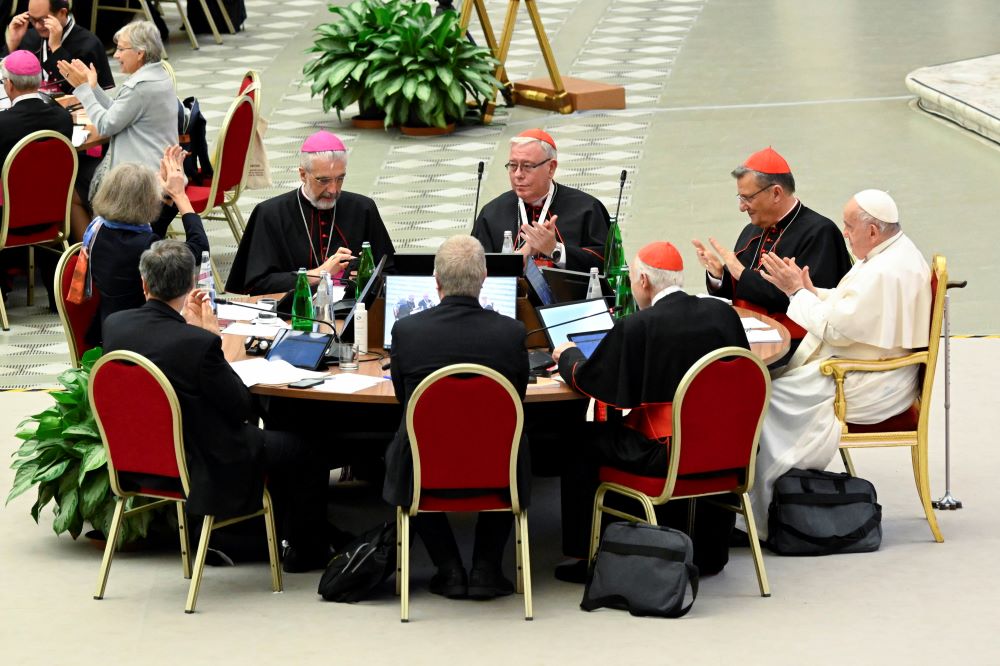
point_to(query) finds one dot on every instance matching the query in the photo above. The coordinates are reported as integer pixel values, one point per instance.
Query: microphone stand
(621, 188)
(479, 183)
(249, 306)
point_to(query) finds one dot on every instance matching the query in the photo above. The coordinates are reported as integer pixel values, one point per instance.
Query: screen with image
(301, 349)
(587, 341)
(581, 316)
(409, 294)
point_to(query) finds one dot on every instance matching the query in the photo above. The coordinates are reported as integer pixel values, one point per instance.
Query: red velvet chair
(76, 319)
(464, 423)
(250, 85)
(232, 148)
(36, 209)
(713, 446)
(140, 422)
(909, 428)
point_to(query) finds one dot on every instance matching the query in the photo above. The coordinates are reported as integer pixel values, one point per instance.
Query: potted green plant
(63, 455)
(338, 73)
(426, 69)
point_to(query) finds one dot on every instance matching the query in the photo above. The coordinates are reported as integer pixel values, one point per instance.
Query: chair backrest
(38, 178)
(939, 287)
(232, 149)
(464, 423)
(76, 319)
(713, 435)
(169, 69)
(250, 85)
(139, 418)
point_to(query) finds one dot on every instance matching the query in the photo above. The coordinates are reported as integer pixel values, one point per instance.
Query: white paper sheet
(80, 135)
(758, 335)
(235, 312)
(751, 322)
(257, 330)
(261, 371)
(348, 382)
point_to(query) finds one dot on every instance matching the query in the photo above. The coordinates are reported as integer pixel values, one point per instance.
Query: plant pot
(427, 131)
(362, 122)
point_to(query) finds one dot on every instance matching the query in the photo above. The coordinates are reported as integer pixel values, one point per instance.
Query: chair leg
(3, 316)
(211, 22)
(647, 506)
(225, 17)
(758, 556)
(199, 564)
(182, 532)
(233, 223)
(31, 276)
(518, 564)
(109, 548)
(919, 455)
(845, 455)
(399, 549)
(187, 26)
(524, 557)
(595, 524)
(404, 570)
(272, 543)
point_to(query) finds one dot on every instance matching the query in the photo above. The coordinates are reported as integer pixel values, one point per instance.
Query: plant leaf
(23, 479)
(93, 459)
(51, 472)
(93, 491)
(66, 512)
(45, 493)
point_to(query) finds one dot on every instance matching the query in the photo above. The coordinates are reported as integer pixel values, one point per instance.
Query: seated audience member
(461, 331)
(638, 366)
(49, 31)
(318, 226)
(228, 456)
(123, 229)
(552, 223)
(29, 112)
(779, 224)
(141, 120)
(880, 310)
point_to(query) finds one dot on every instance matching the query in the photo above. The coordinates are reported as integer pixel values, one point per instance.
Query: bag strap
(825, 499)
(642, 550)
(840, 541)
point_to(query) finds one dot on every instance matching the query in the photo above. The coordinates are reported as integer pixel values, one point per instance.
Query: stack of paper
(261, 371)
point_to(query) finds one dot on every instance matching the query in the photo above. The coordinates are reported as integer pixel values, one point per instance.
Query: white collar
(883, 245)
(21, 98)
(666, 292)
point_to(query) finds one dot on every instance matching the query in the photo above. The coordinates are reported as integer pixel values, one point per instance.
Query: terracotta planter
(427, 131)
(367, 123)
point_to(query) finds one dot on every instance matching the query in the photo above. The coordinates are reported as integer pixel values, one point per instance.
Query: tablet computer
(587, 341)
(300, 348)
(538, 289)
(561, 319)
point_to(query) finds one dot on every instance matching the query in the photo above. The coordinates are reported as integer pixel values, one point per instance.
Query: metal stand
(948, 502)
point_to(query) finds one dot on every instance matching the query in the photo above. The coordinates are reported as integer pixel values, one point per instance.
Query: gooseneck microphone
(621, 188)
(479, 183)
(251, 306)
(612, 310)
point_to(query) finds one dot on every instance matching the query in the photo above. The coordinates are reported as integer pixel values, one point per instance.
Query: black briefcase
(814, 512)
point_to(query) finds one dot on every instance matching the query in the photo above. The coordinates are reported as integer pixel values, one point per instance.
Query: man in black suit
(49, 31)
(457, 330)
(227, 454)
(637, 366)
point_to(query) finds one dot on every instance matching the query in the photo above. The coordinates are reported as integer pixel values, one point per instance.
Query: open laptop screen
(410, 294)
(576, 317)
(587, 341)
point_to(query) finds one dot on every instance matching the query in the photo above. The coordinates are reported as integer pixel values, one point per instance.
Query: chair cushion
(725, 481)
(903, 422)
(198, 194)
(484, 503)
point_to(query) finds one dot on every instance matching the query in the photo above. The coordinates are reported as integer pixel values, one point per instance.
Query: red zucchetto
(661, 255)
(767, 161)
(537, 134)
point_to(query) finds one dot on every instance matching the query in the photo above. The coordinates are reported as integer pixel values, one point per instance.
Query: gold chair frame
(5, 219)
(74, 353)
(916, 440)
(667, 494)
(521, 549)
(144, 9)
(209, 524)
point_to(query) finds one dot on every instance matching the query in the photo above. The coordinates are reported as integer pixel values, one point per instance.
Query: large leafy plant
(62, 453)
(397, 56)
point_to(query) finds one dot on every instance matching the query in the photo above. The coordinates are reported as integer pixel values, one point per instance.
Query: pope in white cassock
(880, 310)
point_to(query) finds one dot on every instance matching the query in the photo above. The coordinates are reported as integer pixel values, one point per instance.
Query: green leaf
(23, 479)
(66, 512)
(45, 493)
(94, 490)
(444, 74)
(409, 88)
(51, 472)
(423, 91)
(82, 430)
(95, 458)
(336, 75)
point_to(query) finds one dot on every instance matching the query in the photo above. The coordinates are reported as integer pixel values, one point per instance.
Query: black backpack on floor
(360, 567)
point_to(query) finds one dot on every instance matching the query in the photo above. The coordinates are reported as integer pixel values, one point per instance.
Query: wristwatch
(556, 254)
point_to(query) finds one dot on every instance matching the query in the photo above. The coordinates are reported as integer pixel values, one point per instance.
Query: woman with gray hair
(127, 209)
(141, 119)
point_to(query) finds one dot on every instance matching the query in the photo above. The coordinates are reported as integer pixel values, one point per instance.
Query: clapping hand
(172, 178)
(77, 73)
(541, 236)
(785, 274)
(198, 311)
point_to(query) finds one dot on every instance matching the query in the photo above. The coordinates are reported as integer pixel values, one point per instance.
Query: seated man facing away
(458, 330)
(228, 456)
(317, 226)
(638, 366)
(880, 310)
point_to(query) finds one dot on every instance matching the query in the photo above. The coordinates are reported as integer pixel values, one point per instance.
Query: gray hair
(460, 266)
(785, 180)
(550, 152)
(885, 229)
(145, 37)
(22, 82)
(306, 159)
(130, 193)
(168, 269)
(659, 279)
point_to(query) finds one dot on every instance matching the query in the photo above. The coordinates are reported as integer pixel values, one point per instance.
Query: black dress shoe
(488, 582)
(572, 572)
(301, 561)
(739, 539)
(450, 582)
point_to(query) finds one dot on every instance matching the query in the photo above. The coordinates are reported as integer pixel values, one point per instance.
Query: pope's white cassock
(879, 310)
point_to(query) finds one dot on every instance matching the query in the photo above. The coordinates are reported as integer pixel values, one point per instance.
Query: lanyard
(523, 213)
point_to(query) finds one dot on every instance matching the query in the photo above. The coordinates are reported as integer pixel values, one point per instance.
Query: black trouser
(297, 479)
(492, 531)
(614, 445)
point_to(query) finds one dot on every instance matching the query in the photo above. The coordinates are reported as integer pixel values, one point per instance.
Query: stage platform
(966, 92)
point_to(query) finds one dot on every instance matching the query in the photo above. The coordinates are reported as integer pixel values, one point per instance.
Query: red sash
(653, 421)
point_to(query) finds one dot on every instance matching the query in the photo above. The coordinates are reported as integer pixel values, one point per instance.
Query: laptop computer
(572, 285)
(498, 264)
(587, 341)
(561, 319)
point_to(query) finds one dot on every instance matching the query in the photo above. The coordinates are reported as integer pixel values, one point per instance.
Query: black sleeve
(379, 238)
(481, 232)
(222, 387)
(195, 236)
(256, 268)
(593, 235)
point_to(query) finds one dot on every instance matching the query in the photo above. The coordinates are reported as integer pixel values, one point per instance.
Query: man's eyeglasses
(526, 168)
(326, 180)
(38, 21)
(747, 199)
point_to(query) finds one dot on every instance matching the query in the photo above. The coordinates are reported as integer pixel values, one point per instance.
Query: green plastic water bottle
(614, 251)
(623, 295)
(365, 267)
(302, 304)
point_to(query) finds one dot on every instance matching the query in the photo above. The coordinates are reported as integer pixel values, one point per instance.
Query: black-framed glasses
(526, 168)
(748, 199)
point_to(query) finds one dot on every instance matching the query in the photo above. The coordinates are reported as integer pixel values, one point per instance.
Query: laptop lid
(369, 292)
(498, 264)
(538, 289)
(572, 285)
(561, 319)
(587, 341)
(300, 348)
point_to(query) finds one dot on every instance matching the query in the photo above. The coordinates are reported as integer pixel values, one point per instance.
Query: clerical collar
(305, 224)
(21, 98)
(878, 249)
(660, 295)
(770, 237)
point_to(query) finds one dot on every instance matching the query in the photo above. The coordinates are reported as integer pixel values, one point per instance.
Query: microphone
(612, 310)
(479, 183)
(250, 306)
(621, 188)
